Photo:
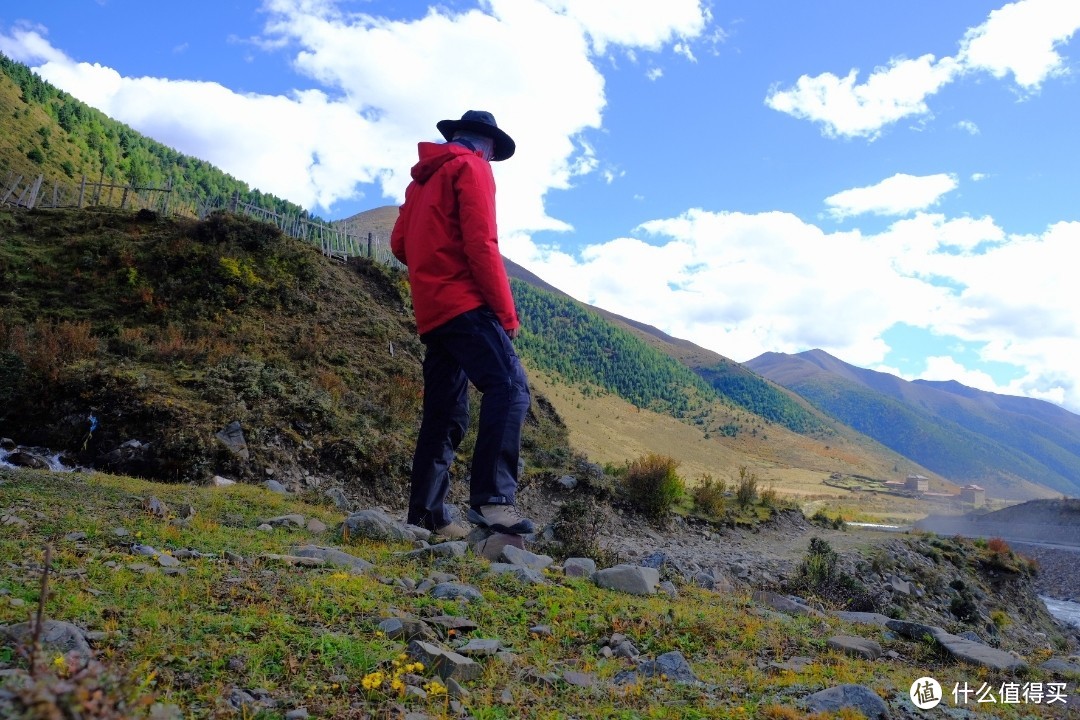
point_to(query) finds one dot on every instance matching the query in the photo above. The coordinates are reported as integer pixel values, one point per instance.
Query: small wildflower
(435, 688)
(60, 663)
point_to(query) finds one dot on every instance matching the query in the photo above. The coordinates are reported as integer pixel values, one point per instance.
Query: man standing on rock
(446, 235)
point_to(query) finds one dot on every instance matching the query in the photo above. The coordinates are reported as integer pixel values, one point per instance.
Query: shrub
(820, 575)
(652, 484)
(746, 491)
(577, 527)
(708, 495)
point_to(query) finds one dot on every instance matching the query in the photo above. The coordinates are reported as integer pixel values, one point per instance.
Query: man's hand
(513, 333)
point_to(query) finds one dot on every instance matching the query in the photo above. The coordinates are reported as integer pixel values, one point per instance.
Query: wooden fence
(333, 239)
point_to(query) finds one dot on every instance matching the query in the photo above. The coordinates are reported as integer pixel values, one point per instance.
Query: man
(445, 234)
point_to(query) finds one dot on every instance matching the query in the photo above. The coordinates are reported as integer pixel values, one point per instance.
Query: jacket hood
(433, 156)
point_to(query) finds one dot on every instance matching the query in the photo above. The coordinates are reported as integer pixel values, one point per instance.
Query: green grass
(309, 635)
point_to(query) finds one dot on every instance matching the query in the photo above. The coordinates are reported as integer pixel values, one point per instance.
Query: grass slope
(236, 618)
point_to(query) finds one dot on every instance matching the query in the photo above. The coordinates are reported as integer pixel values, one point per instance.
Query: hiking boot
(451, 531)
(502, 518)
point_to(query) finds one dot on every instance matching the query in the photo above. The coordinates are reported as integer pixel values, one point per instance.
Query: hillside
(48, 133)
(179, 349)
(1014, 447)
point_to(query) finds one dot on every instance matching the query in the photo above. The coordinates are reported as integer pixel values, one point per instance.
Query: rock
(452, 590)
(857, 697)
(632, 579)
(783, 604)
(26, 459)
(445, 663)
(480, 647)
(518, 556)
(672, 666)
(524, 574)
(855, 646)
(232, 435)
(13, 521)
(316, 526)
(276, 487)
(292, 520)
(374, 524)
(795, 664)
(579, 679)
(406, 628)
(334, 558)
(340, 500)
(56, 637)
(567, 482)
(219, 481)
(448, 549)
(155, 507)
(490, 546)
(579, 567)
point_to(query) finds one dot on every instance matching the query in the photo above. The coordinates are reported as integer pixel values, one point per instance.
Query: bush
(820, 575)
(708, 495)
(746, 491)
(577, 527)
(652, 485)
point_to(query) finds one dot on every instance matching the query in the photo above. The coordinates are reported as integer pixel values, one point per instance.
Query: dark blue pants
(471, 347)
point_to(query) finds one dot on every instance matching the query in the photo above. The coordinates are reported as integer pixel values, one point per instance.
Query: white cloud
(898, 195)
(654, 73)
(1021, 39)
(27, 44)
(845, 108)
(529, 62)
(641, 24)
(968, 126)
(744, 284)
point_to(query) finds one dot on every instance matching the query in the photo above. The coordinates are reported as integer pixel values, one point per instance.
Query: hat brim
(504, 144)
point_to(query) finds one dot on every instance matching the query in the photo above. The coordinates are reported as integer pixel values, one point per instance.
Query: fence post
(11, 189)
(82, 190)
(370, 249)
(168, 192)
(34, 192)
(123, 200)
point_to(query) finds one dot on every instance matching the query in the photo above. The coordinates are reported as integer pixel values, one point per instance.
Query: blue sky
(894, 182)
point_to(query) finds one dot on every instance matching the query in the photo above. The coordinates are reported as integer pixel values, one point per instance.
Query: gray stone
(276, 487)
(783, 604)
(374, 524)
(406, 628)
(56, 637)
(524, 574)
(568, 482)
(632, 579)
(449, 549)
(316, 526)
(795, 664)
(579, 679)
(857, 697)
(480, 647)
(297, 714)
(490, 546)
(232, 435)
(672, 666)
(579, 567)
(445, 663)
(334, 558)
(865, 618)
(453, 590)
(855, 646)
(168, 561)
(218, 481)
(899, 586)
(1062, 667)
(340, 500)
(291, 520)
(518, 556)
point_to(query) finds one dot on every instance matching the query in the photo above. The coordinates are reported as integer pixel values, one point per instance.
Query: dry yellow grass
(607, 429)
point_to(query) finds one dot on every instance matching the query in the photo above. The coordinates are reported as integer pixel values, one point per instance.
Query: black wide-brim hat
(483, 123)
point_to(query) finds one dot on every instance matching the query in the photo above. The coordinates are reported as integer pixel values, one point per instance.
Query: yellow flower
(60, 663)
(435, 688)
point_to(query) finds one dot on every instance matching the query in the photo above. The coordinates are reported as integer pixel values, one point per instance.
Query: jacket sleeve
(397, 237)
(475, 187)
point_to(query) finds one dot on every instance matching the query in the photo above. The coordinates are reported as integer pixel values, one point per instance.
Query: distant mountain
(1007, 444)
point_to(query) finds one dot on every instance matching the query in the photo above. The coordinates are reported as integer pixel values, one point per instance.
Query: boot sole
(521, 528)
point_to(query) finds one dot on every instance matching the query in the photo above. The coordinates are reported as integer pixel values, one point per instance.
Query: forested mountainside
(45, 131)
(970, 436)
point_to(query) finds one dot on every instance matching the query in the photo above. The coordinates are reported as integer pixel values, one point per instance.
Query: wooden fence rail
(334, 240)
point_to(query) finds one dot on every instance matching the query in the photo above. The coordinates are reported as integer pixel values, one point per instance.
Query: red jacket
(445, 234)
